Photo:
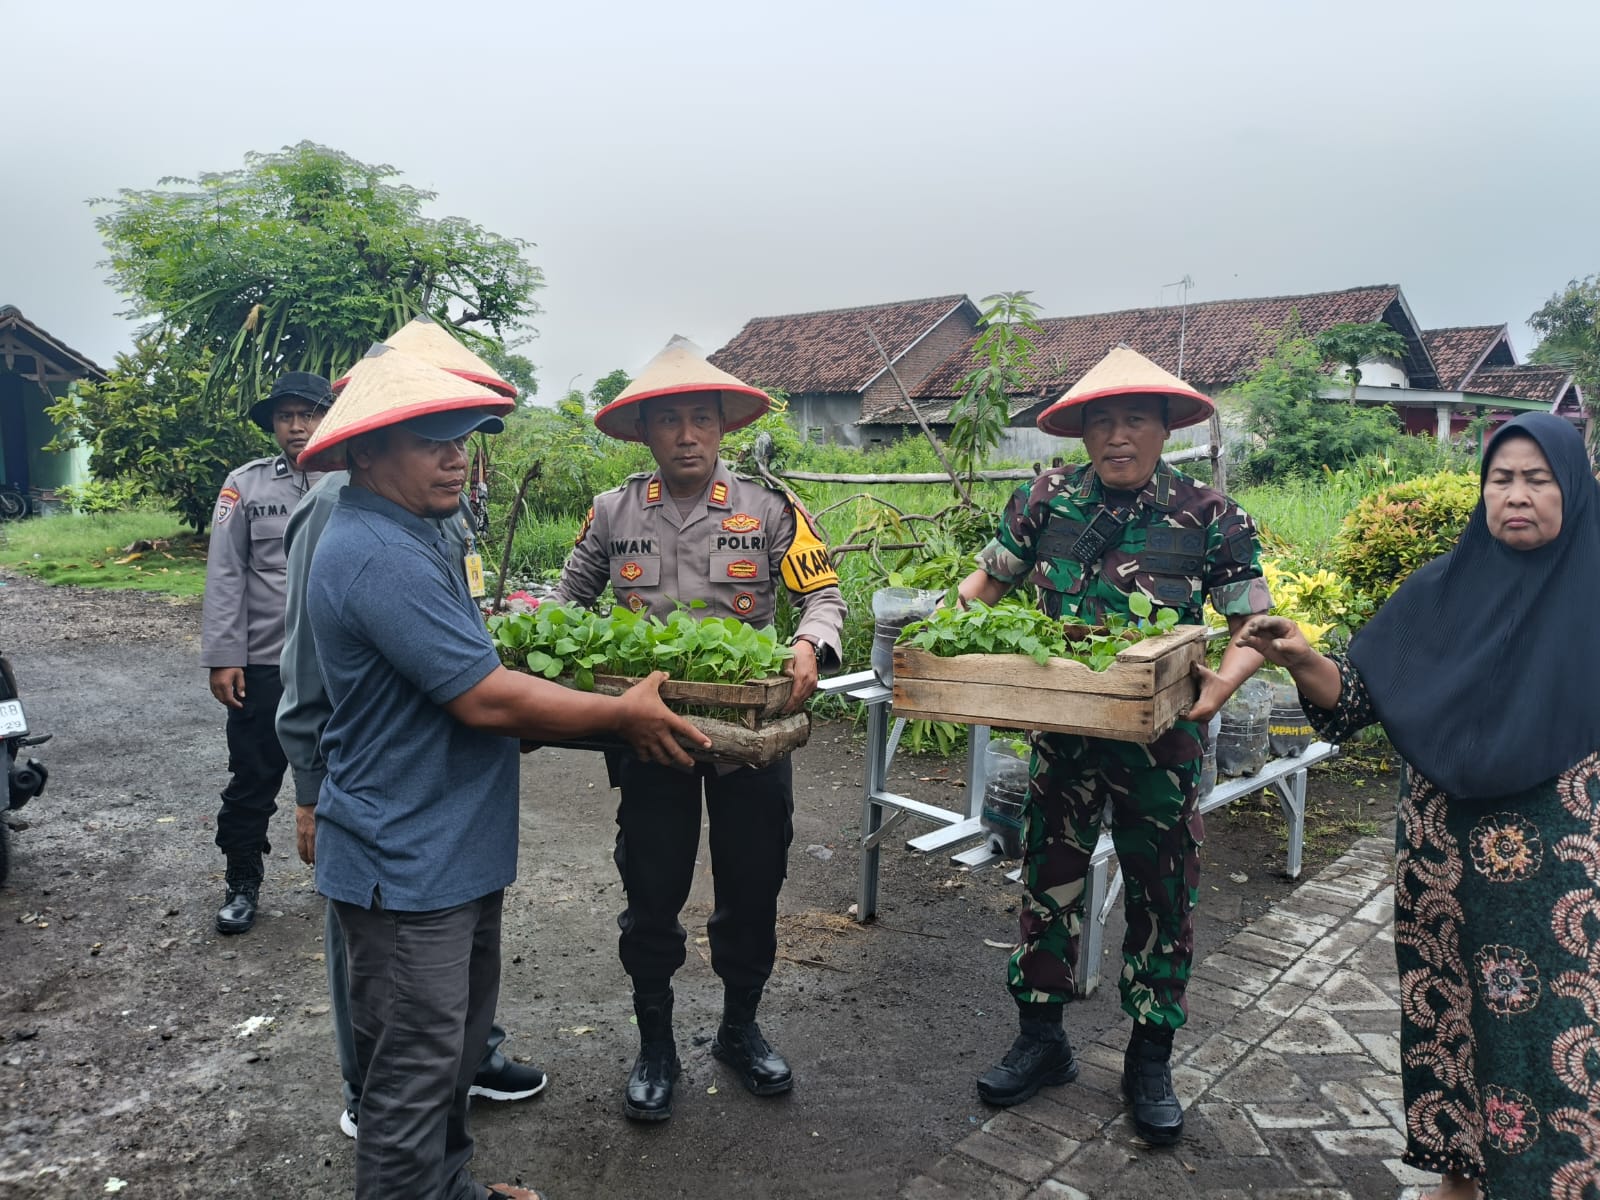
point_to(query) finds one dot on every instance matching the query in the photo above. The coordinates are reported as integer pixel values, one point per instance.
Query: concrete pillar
(1442, 416)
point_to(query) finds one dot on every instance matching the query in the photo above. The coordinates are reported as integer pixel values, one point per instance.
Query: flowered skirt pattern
(1497, 937)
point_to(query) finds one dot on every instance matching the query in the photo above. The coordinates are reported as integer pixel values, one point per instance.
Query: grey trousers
(423, 987)
(344, 1038)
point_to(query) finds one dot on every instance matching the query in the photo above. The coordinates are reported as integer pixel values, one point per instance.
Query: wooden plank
(1014, 708)
(1137, 680)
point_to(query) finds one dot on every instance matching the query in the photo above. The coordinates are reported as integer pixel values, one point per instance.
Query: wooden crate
(758, 736)
(1136, 699)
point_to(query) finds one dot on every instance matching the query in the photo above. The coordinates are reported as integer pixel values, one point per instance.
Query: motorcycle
(25, 777)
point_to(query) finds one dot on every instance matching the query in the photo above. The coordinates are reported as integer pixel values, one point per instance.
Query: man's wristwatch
(816, 646)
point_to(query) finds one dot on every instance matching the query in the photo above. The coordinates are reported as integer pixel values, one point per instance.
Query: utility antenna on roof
(1183, 317)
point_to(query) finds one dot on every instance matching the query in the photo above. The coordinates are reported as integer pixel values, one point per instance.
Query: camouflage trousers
(1152, 795)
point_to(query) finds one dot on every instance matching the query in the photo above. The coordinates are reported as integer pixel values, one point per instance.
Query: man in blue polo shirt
(417, 821)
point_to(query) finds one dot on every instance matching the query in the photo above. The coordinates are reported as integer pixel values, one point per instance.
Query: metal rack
(882, 812)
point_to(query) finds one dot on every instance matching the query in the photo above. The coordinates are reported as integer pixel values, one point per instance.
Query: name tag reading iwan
(475, 584)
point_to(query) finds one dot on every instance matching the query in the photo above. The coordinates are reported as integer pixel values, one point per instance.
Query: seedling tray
(1136, 699)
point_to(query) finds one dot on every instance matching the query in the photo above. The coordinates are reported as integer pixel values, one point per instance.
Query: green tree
(1351, 343)
(1297, 432)
(151, 424)
(1569, 323)
(1003, 354)
(608, 387)
(300, 261)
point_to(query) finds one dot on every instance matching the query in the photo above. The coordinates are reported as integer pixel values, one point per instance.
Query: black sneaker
(509, 1081)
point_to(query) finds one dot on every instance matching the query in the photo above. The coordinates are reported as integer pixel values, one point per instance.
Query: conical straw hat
(422, 338)
(678, 369)
(385, 388)
(1125, 372)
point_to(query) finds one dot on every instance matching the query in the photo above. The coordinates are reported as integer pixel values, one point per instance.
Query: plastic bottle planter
(1243, 741)
(1005, 792)
(1208, 763)
(892, 610)
(1288, 731)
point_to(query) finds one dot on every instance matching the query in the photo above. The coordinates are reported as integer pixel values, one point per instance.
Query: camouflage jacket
(1182, 542)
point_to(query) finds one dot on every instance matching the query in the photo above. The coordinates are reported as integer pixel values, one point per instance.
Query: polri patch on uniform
(719, 492)
(587, 521)
(744, 603)
(742, 523)
(631, 571)
(742, 568)
(635, 601)
(652, 491)
(227, 500)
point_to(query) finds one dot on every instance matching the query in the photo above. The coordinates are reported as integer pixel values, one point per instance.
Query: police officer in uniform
(241, 632)
(693, 531)
(1088, 538)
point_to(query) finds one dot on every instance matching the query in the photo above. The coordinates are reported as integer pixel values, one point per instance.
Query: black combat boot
(648, 1096)
(1147, 1086)
(739, 1044)
(238, 911)
(1041, 1055)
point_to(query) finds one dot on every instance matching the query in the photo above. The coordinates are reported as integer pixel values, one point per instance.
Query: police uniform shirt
(241, 620)
(731, 549)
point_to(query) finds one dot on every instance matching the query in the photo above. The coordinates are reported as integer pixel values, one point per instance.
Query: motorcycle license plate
(12, 722)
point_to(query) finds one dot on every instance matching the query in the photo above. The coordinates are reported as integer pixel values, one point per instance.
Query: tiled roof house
(839, 390)
(36, 369)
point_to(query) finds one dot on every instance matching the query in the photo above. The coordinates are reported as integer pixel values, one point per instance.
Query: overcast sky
(683, 167)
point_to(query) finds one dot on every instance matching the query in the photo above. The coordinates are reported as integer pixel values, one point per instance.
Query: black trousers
(658, 835)
(257, 763)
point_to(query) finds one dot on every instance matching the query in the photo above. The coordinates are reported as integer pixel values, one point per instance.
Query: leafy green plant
(1014, 628)
(557, 640)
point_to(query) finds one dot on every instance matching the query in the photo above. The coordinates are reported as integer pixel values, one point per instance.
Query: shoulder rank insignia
(742, 568)
(631, 571)
(719, 492)
(807, 566)
(280, 467)
(742, 523)
(652, 493)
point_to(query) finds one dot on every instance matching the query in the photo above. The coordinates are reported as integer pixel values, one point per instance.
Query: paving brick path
(1288, 1069)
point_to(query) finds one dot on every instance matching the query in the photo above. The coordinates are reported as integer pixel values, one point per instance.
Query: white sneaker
(347, 1123)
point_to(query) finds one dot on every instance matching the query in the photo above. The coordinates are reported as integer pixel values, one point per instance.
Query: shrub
(99, 496)
(1396, 529)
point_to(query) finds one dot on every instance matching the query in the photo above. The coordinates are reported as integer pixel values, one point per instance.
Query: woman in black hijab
(1483, 670)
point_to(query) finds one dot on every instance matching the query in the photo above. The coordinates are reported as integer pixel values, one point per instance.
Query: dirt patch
(137, 1044)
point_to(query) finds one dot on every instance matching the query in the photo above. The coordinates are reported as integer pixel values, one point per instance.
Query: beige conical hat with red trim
(385, 388)
(425, 339)
(677, 370)
(1125, 372)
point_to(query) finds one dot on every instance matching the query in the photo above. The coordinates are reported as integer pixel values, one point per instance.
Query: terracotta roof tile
(1458, 349)
(1527, 381)
(44, 343)
(1223, 341)
(831, 351)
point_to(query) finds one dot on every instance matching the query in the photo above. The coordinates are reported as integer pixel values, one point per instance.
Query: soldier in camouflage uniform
(1087, 538)
(693, 531)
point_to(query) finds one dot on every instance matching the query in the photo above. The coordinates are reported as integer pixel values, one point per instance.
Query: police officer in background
(692, 530)
(1088, 538)
(241, 632)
